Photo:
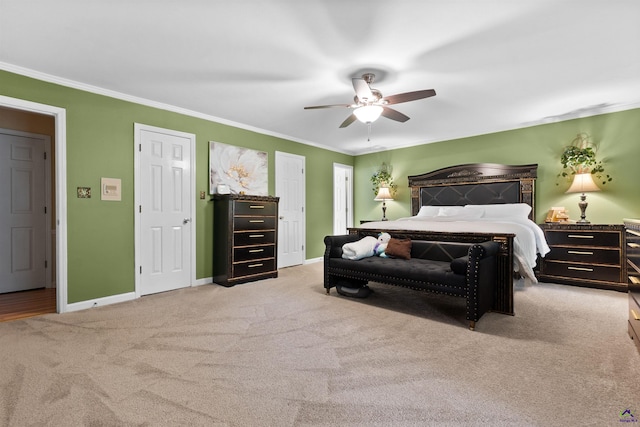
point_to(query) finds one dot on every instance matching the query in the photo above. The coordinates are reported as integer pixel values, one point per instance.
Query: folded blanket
(363, 248)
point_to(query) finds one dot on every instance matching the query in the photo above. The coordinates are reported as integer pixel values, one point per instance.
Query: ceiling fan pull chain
(368, 131)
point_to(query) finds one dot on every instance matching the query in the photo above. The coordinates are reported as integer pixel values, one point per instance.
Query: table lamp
(583, 183)
(382, 196)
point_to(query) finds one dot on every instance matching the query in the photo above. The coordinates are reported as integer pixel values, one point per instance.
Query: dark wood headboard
(475, 184)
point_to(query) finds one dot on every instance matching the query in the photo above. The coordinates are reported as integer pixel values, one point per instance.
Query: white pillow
(505, 210)
(450, 210)
(428, 211)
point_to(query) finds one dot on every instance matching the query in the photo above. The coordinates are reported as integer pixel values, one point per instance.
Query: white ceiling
(495, 64)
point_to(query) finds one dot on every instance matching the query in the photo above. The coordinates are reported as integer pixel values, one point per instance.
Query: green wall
(617, 136)
(100, 135)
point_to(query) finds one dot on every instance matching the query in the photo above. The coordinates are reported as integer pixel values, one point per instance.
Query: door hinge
(46, 265)
(45, 155)
(45, 209)
(140, 148)
(140, 209)
(302, 209)
(140, 269)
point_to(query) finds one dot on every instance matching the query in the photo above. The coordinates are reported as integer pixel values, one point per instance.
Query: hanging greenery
(383, 178)
(580, 157)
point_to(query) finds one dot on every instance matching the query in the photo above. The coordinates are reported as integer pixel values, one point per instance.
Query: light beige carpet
(279, 352)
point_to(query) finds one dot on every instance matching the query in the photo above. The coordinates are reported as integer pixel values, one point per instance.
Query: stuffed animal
(381, 245)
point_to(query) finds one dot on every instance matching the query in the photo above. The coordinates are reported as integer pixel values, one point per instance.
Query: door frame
(138, 127)
(60, 119)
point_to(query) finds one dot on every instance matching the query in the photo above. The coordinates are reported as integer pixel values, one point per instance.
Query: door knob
(186, 220)
(281, 217)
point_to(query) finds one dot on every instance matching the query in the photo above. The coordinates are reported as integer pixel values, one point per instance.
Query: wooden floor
(20, 305)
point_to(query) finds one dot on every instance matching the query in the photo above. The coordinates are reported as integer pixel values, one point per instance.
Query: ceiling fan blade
(408, 96)
(363, 91)
(352, 118)
(392, 114)
(315, 107)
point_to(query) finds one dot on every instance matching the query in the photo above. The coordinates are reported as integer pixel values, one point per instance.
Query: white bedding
(528, 242)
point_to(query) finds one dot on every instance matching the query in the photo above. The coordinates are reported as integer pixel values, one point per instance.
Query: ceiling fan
(369, 104)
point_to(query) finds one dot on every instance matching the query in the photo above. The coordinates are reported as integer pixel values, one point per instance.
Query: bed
(474, 203)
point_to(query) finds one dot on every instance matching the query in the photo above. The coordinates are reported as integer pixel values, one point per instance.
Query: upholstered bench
(467, 270)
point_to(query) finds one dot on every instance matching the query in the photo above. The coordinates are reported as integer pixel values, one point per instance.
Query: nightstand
(592, 255)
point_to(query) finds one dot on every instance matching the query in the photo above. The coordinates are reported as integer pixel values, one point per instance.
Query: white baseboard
(97, 302)
(314, 260)
(203, 281)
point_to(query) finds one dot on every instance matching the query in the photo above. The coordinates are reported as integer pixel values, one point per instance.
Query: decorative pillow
(459, 265)
(399, 248)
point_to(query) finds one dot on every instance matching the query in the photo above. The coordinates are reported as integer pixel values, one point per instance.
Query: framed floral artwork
(237, 170)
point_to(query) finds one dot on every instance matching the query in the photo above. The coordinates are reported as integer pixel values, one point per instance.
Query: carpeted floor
(279, 352)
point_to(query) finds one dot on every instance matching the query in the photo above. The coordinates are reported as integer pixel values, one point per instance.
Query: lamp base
(583, 209)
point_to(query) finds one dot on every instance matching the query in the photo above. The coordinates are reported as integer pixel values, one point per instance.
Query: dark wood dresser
(245, 238)
(591, 255)
(633, 273)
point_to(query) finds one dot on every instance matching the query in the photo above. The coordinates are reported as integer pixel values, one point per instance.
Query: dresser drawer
(634, 315)
(249, 238)
(255, 208)
(248, 253)
(633, 248)
(582, 271)
(254, 223)
(583, 238)
(584, 255)
(253, 267)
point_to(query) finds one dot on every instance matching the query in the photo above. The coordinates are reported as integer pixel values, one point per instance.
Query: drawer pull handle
(580, 252)
(252, 251)
(635, 233)
(256, 236)
(633, 245)
(256, 206)
(581, 236)
(255, 265)
(634, 280)
(580, 268)
(634, 314)
(256, 220)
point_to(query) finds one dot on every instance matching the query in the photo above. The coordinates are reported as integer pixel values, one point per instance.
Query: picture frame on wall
(237, 170)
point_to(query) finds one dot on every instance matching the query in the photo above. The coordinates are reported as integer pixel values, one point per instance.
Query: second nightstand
(591, 255)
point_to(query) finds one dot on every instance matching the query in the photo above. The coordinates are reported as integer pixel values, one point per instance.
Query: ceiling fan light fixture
(368, 113)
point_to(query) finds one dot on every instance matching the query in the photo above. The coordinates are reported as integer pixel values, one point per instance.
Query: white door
(165, 205)
(290, 187)
(342, 198)
(23, 212)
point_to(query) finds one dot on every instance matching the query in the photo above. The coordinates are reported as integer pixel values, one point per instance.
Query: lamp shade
(368, 113)
(583, 183)
(383, 194)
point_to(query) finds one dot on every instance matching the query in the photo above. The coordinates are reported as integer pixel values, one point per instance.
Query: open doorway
(27, 118)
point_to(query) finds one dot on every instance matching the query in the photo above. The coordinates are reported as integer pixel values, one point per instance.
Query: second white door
(165, 209)
(290, 185)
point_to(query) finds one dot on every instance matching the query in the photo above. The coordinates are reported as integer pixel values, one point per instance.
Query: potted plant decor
(580, 157)
(383, 178)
